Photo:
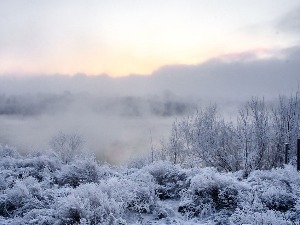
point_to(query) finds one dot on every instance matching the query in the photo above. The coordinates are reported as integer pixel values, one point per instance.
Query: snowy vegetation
(210, 172)
(255, 140)
(42, 189)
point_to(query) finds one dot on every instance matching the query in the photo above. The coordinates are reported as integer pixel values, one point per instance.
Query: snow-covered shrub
(278, 197)
(160, 213)
(35, 166)
(165, 209)
(144, 189)
(79, 172)
(7, 163)
(44, 216)
(210, 191)
(105, 172)
(8, 177)
(24, 196)
(136, 191)
(289, 173)
(170, 179)
(120, 189)
(296, 213)
(3, 184)
(11, 221)
(269, 217)
(39, 189)
(277, 188)
(8, 151)
(89, 204)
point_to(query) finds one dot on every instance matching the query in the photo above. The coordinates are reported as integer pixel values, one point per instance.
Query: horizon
(253, 55)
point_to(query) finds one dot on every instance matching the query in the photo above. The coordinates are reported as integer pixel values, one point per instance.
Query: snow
(41, 189)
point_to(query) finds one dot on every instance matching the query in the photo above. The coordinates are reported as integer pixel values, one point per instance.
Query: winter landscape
(150, 112)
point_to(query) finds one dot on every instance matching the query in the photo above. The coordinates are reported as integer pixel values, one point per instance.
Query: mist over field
(118, 117)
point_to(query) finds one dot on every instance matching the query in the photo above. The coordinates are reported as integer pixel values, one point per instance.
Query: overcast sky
(121, 37)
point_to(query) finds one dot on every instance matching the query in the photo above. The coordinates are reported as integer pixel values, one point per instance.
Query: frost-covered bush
(25, 195)
(296, 214)
(106, 171)
(271, 198)
(165, 210)
(160, 213)
(40, 189)
(40, 167)
(3, 184)
(90, 205)
(136, 191)
(210, 191)
(278, 197)
(277, 188)
(143, 187)
(268, 217)
(79, 172)
(35, 166)
(8, 151)
(170, 179)
(43, 216)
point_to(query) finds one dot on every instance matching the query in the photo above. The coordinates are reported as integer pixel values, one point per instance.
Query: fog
(118, 117)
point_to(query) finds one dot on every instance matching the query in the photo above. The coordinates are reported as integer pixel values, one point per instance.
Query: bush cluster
(40, 189)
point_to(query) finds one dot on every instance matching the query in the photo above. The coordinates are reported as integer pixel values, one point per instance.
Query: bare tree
(255, 142)
(280, 127)
(228, 153)
(66, 146)
(286, 120)
(204, 139)
(175, 144)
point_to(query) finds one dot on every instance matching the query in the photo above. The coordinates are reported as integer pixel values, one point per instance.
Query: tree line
(255, 140)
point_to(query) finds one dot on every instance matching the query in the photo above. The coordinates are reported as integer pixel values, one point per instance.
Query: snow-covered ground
(40, 189)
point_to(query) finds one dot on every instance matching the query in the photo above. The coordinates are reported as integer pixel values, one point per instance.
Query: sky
(125, 37)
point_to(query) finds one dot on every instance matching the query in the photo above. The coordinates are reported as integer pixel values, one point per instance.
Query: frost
(41, 189)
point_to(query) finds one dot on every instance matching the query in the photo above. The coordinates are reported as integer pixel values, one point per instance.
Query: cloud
(235, 79)
(116, 115)
(290, 22)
